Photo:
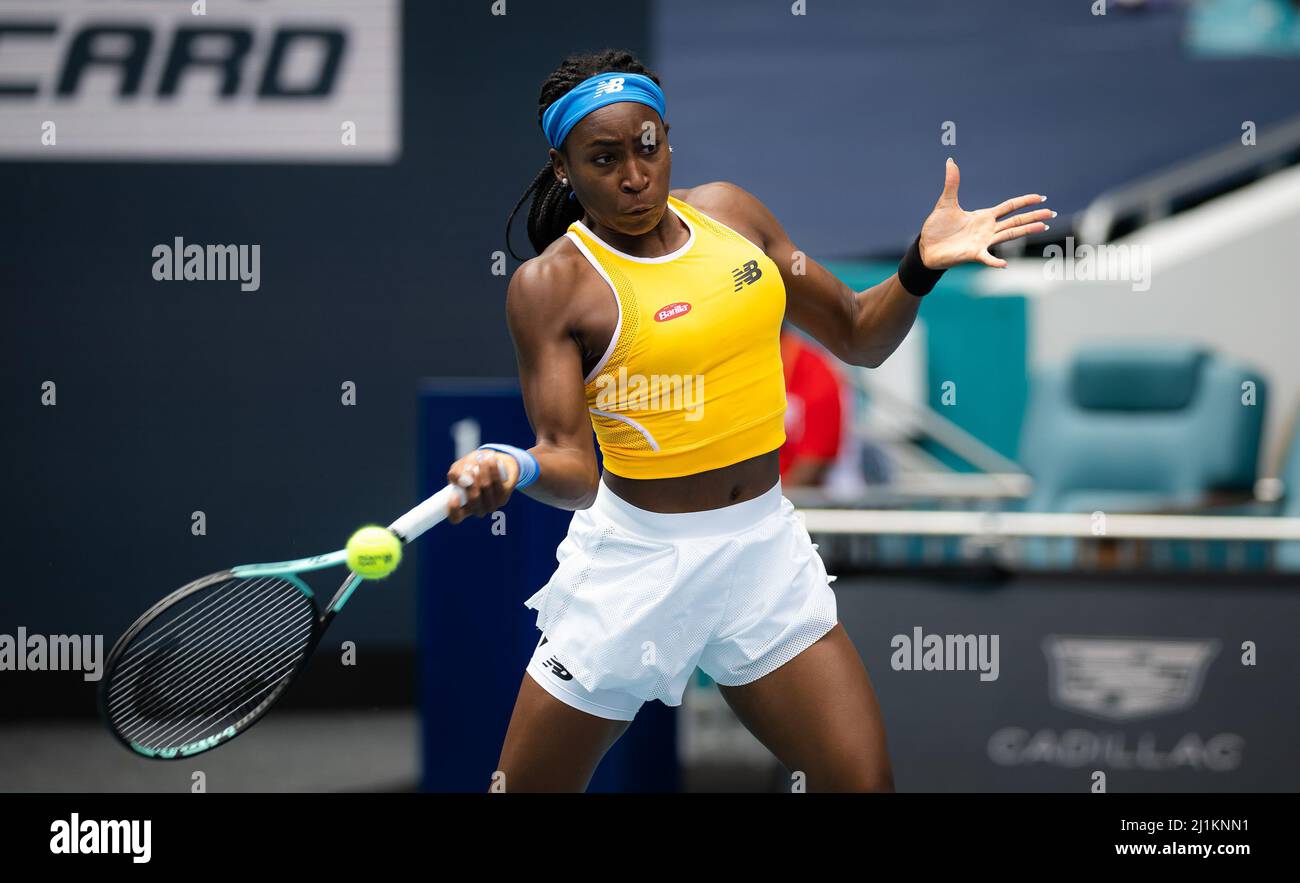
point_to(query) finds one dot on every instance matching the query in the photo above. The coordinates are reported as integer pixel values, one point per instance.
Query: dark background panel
(176, 397)
(1256, 703)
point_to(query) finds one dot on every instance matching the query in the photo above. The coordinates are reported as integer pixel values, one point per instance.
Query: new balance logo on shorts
(747, 274)
(558, 670)
(554, 665)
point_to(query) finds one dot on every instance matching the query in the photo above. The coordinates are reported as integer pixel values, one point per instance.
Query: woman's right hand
(478, 474)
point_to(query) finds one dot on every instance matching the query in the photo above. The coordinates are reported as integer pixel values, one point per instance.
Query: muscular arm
(858, 327)
(538, 310)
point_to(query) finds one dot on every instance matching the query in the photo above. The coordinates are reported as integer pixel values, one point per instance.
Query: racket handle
(433, 510)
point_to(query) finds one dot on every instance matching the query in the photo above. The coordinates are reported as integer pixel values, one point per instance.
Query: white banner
(214, 80)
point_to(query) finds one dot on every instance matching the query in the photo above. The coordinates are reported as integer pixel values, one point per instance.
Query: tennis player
(653, 316)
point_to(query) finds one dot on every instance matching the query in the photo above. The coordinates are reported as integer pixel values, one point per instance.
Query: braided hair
(552, 210)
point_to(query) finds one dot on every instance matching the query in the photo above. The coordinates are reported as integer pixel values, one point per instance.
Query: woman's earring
(670, 148)
(564, 181)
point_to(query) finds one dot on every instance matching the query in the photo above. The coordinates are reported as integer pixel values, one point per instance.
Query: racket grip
(433, 510)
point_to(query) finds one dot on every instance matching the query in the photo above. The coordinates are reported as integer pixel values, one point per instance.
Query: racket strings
(193, 683)
(191, 690)
(202, 668)
(212, 684)
(184, 695)
(188, 644)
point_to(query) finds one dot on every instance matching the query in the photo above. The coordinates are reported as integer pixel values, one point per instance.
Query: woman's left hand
(952, 235)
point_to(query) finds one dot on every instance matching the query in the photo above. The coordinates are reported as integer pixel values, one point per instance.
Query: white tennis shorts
(640, 599)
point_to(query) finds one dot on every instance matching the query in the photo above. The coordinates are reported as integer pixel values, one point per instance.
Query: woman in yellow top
(653, 316)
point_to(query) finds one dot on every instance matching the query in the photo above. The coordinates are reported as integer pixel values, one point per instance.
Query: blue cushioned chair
(1138, 427)
(1288, 553)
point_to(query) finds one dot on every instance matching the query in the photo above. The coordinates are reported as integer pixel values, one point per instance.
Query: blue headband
(597, 91)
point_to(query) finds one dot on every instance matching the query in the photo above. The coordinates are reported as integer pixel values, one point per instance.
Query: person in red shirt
(813, 426)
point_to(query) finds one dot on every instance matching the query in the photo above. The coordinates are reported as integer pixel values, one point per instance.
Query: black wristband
(914, 275)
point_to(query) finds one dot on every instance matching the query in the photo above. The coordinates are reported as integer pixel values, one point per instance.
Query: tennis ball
(374, 552)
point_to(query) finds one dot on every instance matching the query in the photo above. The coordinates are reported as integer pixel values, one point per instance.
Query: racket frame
(407, 528)
(251, 717)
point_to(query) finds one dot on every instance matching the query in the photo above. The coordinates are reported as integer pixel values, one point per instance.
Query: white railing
(1049, 524)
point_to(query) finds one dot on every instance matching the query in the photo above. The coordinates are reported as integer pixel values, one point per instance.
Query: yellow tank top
(692, 377)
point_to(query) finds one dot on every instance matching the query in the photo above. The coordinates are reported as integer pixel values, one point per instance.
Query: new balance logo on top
(613, 84)
(746, 274)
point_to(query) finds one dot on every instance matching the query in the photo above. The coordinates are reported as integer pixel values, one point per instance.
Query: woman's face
(616, 159)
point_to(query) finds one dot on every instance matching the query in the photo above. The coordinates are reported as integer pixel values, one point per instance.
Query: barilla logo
(672, 311)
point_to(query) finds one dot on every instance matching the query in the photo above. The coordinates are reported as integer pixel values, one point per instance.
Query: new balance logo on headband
(747, 274)
(613, 84)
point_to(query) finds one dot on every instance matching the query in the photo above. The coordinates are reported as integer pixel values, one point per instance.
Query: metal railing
(1050, 524)
(1179, 187)
(1158, 196)
(892, 538)
(922, 475)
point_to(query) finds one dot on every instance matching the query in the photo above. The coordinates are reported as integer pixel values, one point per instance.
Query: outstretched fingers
(1017, 231)
(1016, 203)
(1027, 218)
(951, 182)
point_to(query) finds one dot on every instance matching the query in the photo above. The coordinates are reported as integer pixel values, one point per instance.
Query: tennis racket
(208, 661)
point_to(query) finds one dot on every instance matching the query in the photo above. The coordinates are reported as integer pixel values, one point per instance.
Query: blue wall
(833, 118)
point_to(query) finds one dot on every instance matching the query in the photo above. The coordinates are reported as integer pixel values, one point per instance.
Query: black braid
(552, 211)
